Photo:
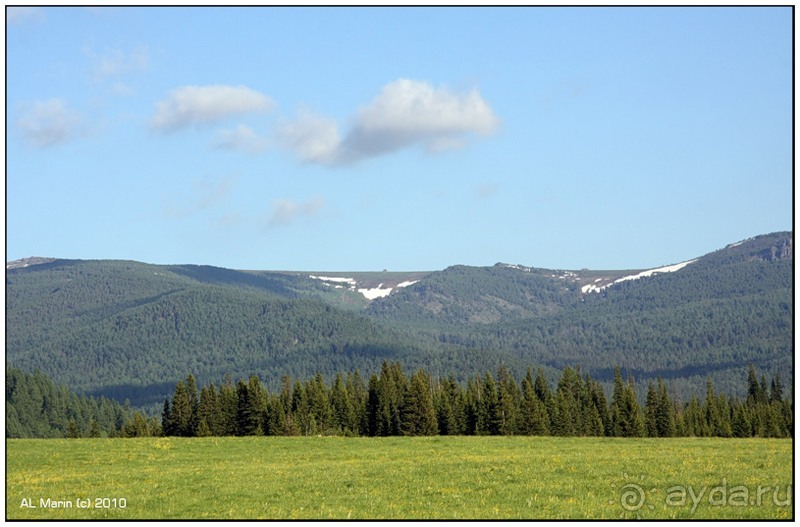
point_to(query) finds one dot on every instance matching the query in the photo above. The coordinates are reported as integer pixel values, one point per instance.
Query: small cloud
(49, 123)
(198, 105)
(313, 138)
(406, 113)
(241, 138)
(286, 211)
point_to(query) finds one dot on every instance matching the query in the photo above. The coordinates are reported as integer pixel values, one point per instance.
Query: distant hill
(129, 330)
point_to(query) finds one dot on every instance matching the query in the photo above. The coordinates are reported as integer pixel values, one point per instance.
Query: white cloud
(49, 123)
(196, 105)
(313, 138)
(241, 138)
(286, 211)
(405, 113)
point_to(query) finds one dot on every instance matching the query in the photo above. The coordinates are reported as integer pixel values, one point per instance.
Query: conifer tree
(534, 419)
(569, 421)
(319, 404)
(277, 423)
(357, 394)
(419, 414)
(194, 403)
(181, 411)
(695, 419)
(300, 409)
(740, 423)
(472, 407)
(167, 423)
(209, 411)
(72, 429)
(488, 419)
(343, 411)
(94, 429)
(373, 406)
(249, 412)
(229, 407)
(626, 414)
(776, 392)
(508, 402)
(665, 412)
(651, 410)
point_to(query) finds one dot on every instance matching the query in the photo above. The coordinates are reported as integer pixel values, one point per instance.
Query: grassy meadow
(398, 477)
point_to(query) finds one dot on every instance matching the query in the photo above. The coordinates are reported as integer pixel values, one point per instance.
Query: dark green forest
(391, 403)
(36, 407)
(129, 330)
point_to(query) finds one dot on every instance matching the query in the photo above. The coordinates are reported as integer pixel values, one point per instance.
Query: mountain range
(130, 330)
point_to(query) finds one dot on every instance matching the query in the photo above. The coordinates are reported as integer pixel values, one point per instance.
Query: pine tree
(695, 419)
(776, 393)
(651, 410)
(754, 395)
(508, 402)
(167, 423)
(203, 430)
(274, 417)
(740, 423)
(194, 403)
(343, 411)
(717, 412)
(357, 394)
(94, 428)
(319, 405)
(229, 407)
(181, 411)
(373, 406)
(598, 399)
(301, 413)
(72, 429)
(626, 414)
(209, 411)
(419, 414)
(665, 413)
(472, 404)
(488, 420)
(249, 411)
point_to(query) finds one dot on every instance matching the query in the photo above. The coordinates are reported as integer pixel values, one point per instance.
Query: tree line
(390, 403)
(36, 407)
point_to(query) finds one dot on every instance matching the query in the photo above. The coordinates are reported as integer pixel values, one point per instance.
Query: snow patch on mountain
(375, 292)
(370, 293)
(592, 288)
(651, 272)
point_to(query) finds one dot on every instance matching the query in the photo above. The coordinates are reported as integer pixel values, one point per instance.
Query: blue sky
(396, 138)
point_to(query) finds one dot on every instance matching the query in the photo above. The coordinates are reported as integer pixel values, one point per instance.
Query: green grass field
(410, 478)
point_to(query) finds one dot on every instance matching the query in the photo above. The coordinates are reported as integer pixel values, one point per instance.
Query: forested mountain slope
(128, 329)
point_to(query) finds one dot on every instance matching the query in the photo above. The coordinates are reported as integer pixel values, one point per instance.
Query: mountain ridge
(128, 329)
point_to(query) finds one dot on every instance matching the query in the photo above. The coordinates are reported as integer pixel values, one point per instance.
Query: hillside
(129, 329)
